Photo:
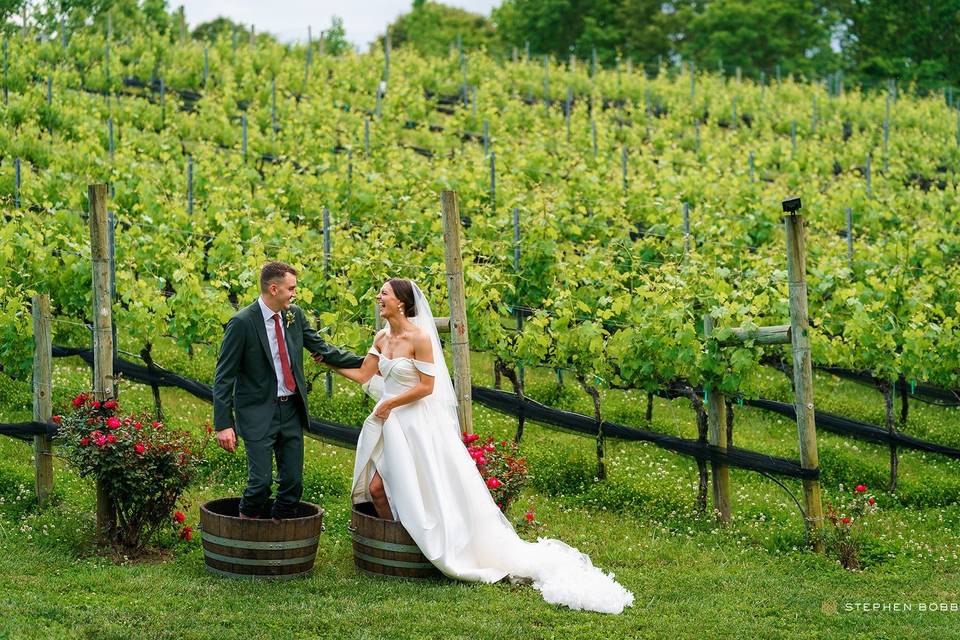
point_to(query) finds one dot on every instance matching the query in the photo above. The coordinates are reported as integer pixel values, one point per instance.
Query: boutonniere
(289, 317)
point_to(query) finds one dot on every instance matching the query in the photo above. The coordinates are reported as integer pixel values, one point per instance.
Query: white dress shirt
(268, 314)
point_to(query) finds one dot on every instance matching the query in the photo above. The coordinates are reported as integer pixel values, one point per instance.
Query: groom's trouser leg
(259, 469)
(289, 450)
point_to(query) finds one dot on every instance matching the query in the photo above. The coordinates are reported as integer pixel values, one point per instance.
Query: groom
(260, 393)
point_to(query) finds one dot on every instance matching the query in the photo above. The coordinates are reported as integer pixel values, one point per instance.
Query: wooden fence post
(717, 434)
(103, 381)
(802, 365)
(459, 337)
(42, 395)
(328, 379)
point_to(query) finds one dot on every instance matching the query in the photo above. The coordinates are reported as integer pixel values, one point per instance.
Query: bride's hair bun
(403, 289)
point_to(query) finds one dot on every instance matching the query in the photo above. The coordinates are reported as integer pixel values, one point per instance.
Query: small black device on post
(791, 205)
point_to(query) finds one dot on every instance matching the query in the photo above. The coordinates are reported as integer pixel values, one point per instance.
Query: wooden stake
(16, 182)
(459, 337)
(103, 380)
(6, 70)
(850, 238)
(190, 185)
(717, 434)
(243, 126)
(593, 135)
(803, 369)
(326, 274)
(516, 268)
(42, 396)
(493, 183)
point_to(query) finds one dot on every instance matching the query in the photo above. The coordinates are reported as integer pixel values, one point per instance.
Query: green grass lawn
(690, 577)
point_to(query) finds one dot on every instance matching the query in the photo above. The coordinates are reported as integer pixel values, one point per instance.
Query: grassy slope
(689, 578)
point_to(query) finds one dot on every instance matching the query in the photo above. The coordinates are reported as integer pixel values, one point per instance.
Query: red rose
(113, 422)
(110, 404)
(493, 483)
(79, 401)
(157, 425)
(503, 443)
(471, 437)
(480, 459)
(488, 448)
(186, 533)
(84, 441)
(871, 500)
(57, 419)
(179, 517)
(111, 438)
(139, 448)
(529, 516)
(860, 488)
(95, 404)
(845, 519)
(137, 425)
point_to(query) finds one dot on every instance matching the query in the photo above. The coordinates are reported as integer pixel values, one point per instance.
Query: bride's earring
(401, 310)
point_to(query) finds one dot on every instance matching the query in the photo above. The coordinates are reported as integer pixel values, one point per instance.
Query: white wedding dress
(437, 493)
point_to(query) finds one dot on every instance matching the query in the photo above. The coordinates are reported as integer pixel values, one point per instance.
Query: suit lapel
(286, 337)
(256, 316)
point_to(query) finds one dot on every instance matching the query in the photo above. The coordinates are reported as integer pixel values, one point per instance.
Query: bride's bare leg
(379, 497)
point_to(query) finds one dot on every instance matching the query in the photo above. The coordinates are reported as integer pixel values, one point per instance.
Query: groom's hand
(227, 439)
(317, 358)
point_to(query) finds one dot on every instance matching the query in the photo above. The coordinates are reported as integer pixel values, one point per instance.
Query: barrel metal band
(386, 546)
(256, 562)
(247, 544)
(254, 576)
(400, 564)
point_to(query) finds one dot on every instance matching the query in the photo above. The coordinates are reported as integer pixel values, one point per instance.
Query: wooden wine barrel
(259, 549)
(384, 548)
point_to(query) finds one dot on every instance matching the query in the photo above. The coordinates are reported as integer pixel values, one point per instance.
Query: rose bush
(143, 466)
(843, 533)
(502, 468)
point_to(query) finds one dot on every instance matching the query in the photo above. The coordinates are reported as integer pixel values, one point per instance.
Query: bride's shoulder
(423, 349)
(379, 338)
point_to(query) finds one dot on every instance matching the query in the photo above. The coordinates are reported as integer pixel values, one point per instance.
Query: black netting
(931, 394)
(26, 430)
(861, 430)
(504, 402)
(734, 457)
(327, 431)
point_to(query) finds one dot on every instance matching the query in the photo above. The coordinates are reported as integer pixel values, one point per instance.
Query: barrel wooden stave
(258, 548)
(378, 549)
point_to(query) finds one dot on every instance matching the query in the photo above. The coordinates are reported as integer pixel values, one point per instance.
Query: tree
(219, 27)
(910, 41)
(431, 27)
(335, 38)
(641, 29)
(8, 9)
(758, 35)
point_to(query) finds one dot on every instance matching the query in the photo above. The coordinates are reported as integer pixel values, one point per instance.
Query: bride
(412, 465)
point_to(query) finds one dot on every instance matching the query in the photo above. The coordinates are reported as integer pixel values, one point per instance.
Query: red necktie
(284, 359)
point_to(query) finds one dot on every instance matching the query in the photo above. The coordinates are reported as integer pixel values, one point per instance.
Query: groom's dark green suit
(245, 398)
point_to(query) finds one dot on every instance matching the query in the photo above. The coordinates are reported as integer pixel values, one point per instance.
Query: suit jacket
(245, 384)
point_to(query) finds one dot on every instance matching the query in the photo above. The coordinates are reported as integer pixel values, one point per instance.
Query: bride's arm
(423, 352)
(366, 370)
